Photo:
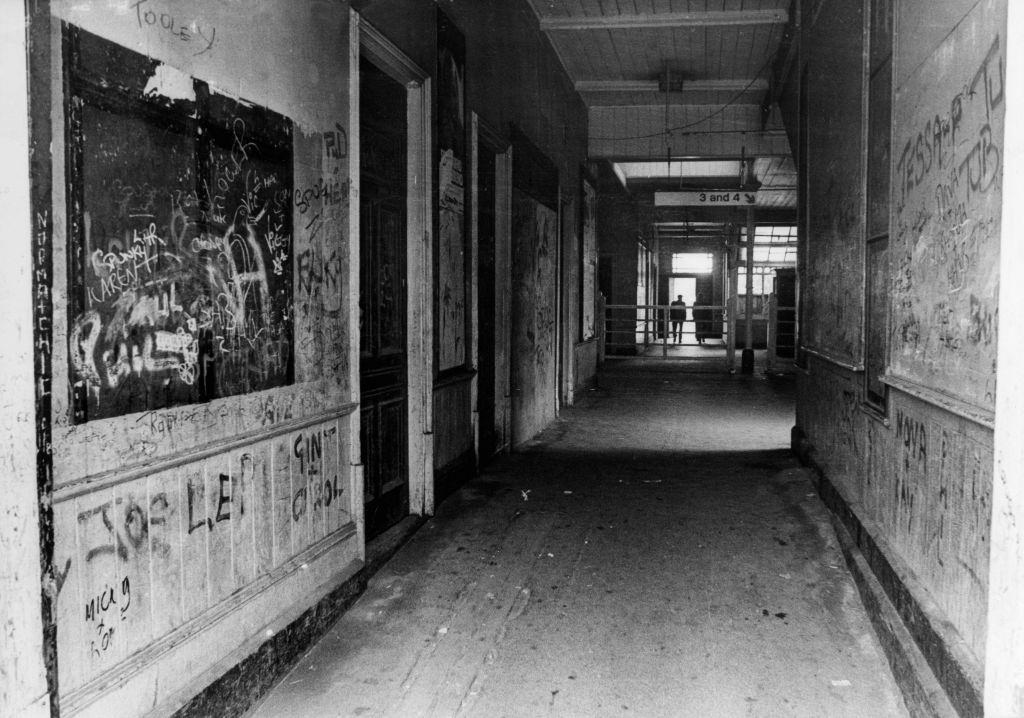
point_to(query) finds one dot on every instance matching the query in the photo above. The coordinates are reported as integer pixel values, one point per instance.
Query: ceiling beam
(664, 20)
(756, 84)
(785, 58)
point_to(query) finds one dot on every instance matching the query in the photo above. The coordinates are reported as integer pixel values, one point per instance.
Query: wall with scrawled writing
(946, 197)
(191, 516)
(588, 261)
(923, 481)
(501, 42)
(832, 286)
(918, 473)
(534, 313)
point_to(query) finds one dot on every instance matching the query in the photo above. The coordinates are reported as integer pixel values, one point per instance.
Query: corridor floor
(657, 552)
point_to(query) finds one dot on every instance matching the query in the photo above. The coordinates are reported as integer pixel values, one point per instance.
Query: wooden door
(534, 351)
(382, 299)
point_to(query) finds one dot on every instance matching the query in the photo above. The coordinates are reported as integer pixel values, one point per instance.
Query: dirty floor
(657, 552)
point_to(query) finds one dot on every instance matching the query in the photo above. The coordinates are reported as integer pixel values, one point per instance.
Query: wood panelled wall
(185, 532)
(915, 466)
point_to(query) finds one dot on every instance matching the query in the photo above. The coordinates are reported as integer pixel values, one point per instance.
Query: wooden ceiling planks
(621, 40)
(716, 97)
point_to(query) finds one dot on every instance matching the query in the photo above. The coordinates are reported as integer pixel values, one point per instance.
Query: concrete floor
(713, 349)
(657, 552)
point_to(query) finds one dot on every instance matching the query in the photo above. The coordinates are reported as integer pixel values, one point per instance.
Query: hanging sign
(706, 198)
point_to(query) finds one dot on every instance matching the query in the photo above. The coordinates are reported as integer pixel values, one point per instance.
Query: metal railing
(782, 332)
(648, 330)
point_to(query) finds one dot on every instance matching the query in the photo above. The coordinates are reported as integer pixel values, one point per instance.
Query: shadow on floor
(656, 552)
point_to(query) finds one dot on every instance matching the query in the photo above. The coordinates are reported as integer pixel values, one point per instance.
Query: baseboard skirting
(450, 477)
(888, 596)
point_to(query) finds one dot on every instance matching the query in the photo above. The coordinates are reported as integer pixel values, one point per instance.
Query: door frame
(368, 42)
(481, 132)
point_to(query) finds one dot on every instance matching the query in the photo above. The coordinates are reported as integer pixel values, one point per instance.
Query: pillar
(1004, 655)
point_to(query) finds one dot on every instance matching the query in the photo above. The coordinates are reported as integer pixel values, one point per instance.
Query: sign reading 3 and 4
(705, 198)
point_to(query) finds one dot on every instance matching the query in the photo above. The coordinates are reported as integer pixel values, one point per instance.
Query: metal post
(664, 334)
(733, 281)
(747, 360)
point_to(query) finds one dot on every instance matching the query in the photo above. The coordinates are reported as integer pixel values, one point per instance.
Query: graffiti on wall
(181, 275)
(947, 192)
(939, 507)
(534, 313)
(588, 260)
(320, 207)
(142, 559)
(451, 190)
(836, 220)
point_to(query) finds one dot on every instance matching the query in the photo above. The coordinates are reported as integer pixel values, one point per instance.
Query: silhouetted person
(702, 322)
(677, 313)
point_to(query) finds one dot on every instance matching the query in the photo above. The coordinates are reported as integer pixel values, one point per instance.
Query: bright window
(764, 281)
(692, 263)
(774, 244)
(774, 254)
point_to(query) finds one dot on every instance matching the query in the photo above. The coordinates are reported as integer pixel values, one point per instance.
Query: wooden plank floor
(657, 552)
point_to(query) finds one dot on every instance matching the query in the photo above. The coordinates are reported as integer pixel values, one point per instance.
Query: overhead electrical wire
(681, 128)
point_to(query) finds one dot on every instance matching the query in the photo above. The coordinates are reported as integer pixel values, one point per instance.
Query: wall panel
(534, 314)
(947, 198)
(832, 289)
(915, 466)
(186, 529)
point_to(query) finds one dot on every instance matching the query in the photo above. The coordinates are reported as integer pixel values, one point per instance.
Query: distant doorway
(687, 287)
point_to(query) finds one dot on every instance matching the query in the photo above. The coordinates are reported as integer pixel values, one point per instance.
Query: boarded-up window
(180, 271)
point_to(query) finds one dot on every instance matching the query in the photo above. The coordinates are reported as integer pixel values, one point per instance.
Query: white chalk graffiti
(180, 308)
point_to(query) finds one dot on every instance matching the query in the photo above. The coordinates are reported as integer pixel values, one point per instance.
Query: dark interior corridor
(350, 331)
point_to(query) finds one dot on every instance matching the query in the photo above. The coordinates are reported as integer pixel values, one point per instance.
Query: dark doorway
(382, 298)
(486, 193)
(785, 294)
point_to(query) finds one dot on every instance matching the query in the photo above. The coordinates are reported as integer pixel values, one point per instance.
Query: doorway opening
(487, 168)
(684, 288)
(383, 375)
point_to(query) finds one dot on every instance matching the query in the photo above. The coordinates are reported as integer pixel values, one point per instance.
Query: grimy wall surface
(205, 493)
(502, 42)
(917, 469)
(833, 300)
(23, 689)
(201, 373)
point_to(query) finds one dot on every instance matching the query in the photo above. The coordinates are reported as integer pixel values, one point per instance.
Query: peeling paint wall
(187, 530)
(23, 690)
